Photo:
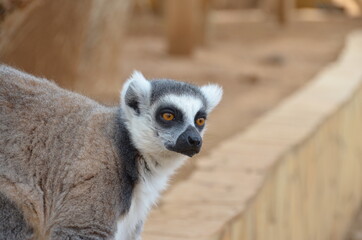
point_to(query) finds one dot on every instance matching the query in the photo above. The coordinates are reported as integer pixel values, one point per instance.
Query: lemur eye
(168, 116)
(200, 121)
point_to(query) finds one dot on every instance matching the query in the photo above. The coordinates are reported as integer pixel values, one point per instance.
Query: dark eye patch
(178, 116)
(200, 114)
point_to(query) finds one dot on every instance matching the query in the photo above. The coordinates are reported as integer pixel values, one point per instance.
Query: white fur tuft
(139, 85)
(213, 94)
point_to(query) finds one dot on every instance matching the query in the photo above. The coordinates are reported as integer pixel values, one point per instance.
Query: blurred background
(260, 51)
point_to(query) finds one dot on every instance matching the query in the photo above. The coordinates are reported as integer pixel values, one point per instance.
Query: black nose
(194, 141)
(189, 142)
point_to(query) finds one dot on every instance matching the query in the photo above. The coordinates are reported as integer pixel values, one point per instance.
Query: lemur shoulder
(71, 168)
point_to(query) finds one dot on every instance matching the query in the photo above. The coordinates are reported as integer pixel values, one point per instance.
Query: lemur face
(179, 122)
(167, 117)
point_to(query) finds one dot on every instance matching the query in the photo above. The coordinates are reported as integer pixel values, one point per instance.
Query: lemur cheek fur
(89, 171)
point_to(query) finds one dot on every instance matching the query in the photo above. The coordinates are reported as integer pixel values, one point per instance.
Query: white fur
(189, 107)
(187, 104)
(138, 82)
(213, 94)
(148, 190)
(145, 196)
(143, 127)
(141, 86)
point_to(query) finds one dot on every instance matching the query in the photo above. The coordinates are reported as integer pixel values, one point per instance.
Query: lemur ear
(213, 94)
(136, 92)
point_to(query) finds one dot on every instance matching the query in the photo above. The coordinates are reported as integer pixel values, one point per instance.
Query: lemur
(71, 168)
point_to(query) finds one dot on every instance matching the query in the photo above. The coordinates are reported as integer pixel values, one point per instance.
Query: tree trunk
(77, 43)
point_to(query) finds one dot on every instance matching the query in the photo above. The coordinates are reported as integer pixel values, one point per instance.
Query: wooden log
(76, 43)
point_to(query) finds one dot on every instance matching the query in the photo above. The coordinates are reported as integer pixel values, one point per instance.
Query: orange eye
(200, 121)
(168, 116)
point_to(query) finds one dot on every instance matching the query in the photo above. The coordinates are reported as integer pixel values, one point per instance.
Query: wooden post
(182, 21)
(359, 3)
(202, 26)
(76, 43)
(282, 10)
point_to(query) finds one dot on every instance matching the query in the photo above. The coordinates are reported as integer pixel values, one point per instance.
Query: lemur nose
(194, 141)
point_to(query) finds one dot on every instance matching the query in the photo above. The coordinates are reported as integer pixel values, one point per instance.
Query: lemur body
(71, 168)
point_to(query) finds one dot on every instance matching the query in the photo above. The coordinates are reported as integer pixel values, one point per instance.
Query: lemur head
(166, 117)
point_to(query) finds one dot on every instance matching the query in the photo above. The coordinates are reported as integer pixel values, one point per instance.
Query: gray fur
(12, 222)
(128, 171)
(59, 159)
(70, 167)
(162, 87)
(138, 231)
